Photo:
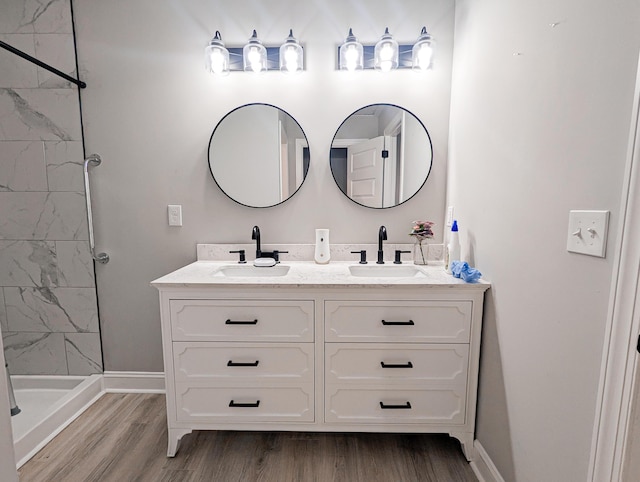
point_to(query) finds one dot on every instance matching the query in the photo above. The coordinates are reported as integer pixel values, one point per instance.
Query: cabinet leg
(466, 442)
(175, 435)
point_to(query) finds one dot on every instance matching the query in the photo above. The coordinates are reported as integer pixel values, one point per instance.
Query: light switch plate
(175, 214)
(588, 232)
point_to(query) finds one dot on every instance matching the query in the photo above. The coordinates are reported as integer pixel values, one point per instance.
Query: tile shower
(48, 306)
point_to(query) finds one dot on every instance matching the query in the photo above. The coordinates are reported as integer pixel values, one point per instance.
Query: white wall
(539, 124)
(149, 110)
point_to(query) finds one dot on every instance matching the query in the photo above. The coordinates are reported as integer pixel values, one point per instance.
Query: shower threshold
(48, 404)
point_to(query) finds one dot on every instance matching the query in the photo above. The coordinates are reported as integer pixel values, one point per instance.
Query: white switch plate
(588, 232)
(449, 216)
(175, 214)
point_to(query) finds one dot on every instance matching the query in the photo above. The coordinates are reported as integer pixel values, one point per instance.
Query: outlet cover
(449, 221)
(588, 232)
(175, 214)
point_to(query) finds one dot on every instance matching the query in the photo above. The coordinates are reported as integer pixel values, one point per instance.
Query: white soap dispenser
(322, 254)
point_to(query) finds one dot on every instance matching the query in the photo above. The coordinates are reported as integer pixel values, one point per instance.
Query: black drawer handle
(244, 405)
(407, 405)
(397, 323)
(231, 363)
(233, 322)
(396, 365)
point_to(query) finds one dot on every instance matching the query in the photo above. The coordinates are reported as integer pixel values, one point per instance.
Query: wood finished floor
(123, 437)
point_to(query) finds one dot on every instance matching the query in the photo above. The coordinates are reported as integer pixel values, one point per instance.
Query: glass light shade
(422, 52)
(291, 55)
(216, 56)
(385, 53)
(254, 55)
(351, 54)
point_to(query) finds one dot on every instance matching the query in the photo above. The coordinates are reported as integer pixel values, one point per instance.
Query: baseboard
(483, 466)
(134, 382)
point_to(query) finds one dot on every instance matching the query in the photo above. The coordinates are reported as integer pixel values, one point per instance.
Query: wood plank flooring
(123, 437)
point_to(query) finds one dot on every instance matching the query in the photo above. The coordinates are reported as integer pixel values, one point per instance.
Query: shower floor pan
(48, 404)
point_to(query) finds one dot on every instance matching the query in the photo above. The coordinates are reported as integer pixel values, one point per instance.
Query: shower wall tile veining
(48, 306)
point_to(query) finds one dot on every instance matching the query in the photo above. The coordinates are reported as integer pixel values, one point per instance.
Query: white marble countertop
(308, 274)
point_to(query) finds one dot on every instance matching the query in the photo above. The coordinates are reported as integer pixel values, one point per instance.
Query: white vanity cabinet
(321, 356)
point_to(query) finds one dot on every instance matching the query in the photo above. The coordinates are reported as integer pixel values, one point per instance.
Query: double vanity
(341, 347)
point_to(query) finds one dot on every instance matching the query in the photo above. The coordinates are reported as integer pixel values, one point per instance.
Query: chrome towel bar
(95, 160)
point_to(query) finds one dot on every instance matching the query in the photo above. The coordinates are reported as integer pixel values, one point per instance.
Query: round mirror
(381, 156)
(258, 155)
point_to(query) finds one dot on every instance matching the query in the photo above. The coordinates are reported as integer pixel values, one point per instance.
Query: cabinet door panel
(250, 404)
(398, 321)
(242, 320)
(396, 363)
(398, 405)
(263, 362)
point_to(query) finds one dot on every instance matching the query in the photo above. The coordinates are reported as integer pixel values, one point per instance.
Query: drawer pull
(396, 365)
(234, 322)
(383, 406)
(244, 405)
(231, 363)
(397, 323)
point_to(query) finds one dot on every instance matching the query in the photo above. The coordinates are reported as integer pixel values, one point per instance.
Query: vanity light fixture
(386, 55)
(291, 55)
(216, 56)
(422, 52)
(254, 56)
(351, 54)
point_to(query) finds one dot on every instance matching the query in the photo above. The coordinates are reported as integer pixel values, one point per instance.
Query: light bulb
(424, 57)
(254, 59)
(254, 55)
(216, 56)
(291, 55)
(217, 61)
(386, 65)
(351, 55)
(386, 53)
(291, 59)
(422, 52)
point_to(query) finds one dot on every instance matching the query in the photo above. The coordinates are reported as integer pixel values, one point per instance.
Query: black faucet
(275, 254)
(256, 235)
(382, 236)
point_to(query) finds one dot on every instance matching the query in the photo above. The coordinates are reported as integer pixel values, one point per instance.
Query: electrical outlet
(175, 214)
(450, 216)
(588, 232)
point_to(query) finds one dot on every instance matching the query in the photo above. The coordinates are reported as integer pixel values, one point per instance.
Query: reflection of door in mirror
(365, 172)
(284, 163)
(388, 159)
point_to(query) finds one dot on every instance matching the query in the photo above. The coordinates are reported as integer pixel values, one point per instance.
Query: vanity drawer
(398, 321)
(264, 362)
(252, 404)
(398, 405)
(242, 320)
(400, 363)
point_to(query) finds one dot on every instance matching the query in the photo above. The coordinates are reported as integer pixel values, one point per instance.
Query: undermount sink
(253, 271)
(386, 271)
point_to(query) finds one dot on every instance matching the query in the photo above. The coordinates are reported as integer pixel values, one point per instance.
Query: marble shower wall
(48, 306)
